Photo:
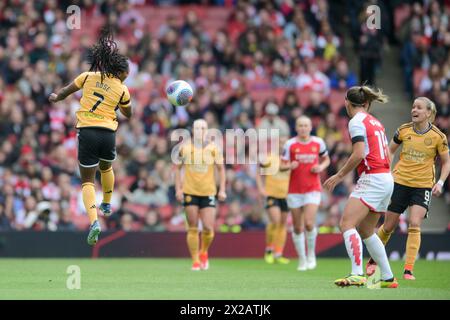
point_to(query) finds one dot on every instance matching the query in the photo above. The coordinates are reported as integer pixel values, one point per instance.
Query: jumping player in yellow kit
(103, 94)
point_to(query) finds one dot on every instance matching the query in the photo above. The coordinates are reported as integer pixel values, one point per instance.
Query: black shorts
(276, 202)
(404, 197)
(200, 201)
(95, 144)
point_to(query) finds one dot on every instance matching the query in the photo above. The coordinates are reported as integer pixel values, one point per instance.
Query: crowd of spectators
(289, 48)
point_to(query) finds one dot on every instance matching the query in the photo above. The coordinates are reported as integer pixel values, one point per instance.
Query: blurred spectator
(127, 222)
(4, 220)
(229, 225)
(65, 223)
(317, 106)
(149, 194)
(39, 217)
(370, 48)
(253, 221)
(152, 222)
(342, 78)
(313, 79)
(272, 121)
(331, 223)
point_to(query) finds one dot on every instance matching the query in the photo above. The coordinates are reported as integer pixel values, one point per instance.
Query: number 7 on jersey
(100, 100)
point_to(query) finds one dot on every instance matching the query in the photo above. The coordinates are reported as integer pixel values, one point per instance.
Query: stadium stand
(238, 58)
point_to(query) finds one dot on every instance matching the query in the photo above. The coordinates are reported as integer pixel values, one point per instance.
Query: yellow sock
(280, 239)
(383, 235)
(412, 247)
(270, 235)
(207, 238)
(107, 179)
(88, 191)
(192, 242)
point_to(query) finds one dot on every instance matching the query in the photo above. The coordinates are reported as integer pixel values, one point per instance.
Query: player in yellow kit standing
(197, 191)
(103, 94)
(274, 187)
(414, 177)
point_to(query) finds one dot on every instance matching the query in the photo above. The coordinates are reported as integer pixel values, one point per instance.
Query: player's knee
(298, 230)
(364, 233)
(103, 165)
(309, 226)
(345, 225)
(276, 220)
(208, 229)
(415, 223)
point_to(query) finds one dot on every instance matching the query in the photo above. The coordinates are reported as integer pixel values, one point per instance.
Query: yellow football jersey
(419, 150)
(277, 185)
(199, 163)
(100, 100)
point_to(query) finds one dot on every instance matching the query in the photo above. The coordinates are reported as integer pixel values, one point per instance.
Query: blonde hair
(360, 95)
(303, 118)
(430, 106)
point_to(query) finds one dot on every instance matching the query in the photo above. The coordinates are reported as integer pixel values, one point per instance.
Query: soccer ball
(179, 93)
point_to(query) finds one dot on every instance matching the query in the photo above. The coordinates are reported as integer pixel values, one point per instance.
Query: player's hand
(317, 169)
(222, 195)
(332, 182)
(437, 190)
(53, 98)
(294, 164)
(179, 195)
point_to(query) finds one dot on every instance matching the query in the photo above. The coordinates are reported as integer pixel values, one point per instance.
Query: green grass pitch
(227, 279)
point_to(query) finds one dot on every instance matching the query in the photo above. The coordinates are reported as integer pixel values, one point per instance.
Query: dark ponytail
(105, 58)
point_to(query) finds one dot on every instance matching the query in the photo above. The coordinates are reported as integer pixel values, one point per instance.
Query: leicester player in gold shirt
(103, 94)
(273, 183)
(414, 177)
(197, 190)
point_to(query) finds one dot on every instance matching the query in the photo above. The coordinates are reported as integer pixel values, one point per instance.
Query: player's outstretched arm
(260, 184)
(222, 182)
(63, 93)
(178, 183)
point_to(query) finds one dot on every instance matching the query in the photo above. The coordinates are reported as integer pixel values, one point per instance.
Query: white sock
(378, 253)
(311, 238)
(353, 245)
(299, 242)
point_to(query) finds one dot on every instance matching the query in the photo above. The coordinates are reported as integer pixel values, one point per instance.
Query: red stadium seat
(81, 221)
(258, 84)
(303, 97)
(279, 94)
(223, 210)
(336, 100)
(261, 95)
(165, 212)
(137, 209)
